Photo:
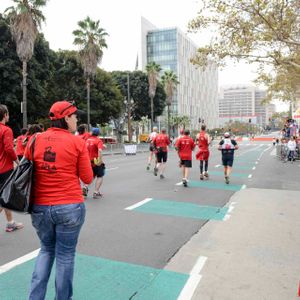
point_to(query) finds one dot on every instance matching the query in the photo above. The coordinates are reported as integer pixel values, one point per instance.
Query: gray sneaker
(14, 226)
(227, 179)
(161, 176)
(155, 171)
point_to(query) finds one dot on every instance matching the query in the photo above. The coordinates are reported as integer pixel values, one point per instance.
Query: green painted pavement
(219, 173)
(237, 166)
(96, 278)
(215, 185)
(183, 209)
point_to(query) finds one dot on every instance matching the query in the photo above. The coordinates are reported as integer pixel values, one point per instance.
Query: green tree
(90, 37)
(139, 93)
(25, 18)
(153, 70)
(68, 82)
(258, 31)
(169, 80)
(40, 70)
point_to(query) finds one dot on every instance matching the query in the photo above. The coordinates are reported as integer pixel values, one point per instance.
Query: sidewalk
(255, 254)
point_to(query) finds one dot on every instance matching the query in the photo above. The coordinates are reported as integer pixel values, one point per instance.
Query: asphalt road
(148, 237)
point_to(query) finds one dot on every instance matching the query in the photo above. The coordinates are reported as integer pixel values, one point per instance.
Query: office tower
(196, 94)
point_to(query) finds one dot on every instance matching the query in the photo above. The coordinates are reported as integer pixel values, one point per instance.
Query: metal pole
(88, 87)
(128, 108)
(24, 86)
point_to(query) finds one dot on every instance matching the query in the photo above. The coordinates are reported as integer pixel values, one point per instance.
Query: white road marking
(19, 261)
(179, 183)
(193, 281)
(230, 209)
(243, 186)
(138, 204)
(253, 168)
(217, 166)
(111, 169)
(250, 176)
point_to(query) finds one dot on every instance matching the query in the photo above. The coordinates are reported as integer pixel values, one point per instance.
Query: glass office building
(196, 94)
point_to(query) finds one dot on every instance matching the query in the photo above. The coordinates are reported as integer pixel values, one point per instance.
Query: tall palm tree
(169, 80)
(153, 70)
(25, 19)
(90, 38)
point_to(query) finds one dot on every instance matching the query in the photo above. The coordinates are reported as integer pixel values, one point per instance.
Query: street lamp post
(129, 105)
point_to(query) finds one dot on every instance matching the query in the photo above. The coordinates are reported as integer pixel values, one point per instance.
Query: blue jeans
(58, 229)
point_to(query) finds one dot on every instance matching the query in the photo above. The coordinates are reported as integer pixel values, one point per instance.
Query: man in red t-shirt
(185, 146)
(7, 159)
(95, 147)
(83, 132)
(203, 141)
(161, 143)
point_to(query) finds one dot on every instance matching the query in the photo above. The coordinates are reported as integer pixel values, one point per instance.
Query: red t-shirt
(185, 146)
(60, 160)
(161, 141)
(85, 135)
(202, 141)
(94, 144)
(20, 148)
(7, 152)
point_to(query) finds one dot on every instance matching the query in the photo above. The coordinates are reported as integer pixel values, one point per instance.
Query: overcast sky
(121, 20)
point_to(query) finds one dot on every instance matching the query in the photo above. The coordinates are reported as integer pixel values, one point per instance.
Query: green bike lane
(98, 277)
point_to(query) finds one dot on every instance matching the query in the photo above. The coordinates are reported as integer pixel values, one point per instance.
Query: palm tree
(153, 70)
(91, 40)
(25, 19)
(169, 81)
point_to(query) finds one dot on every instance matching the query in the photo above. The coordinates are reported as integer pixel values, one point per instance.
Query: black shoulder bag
(16, 191)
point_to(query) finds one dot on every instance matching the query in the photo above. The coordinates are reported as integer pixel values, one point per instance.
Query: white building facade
(243, 103)
(196, 94)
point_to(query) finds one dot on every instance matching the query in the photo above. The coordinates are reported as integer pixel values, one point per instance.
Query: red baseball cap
(61, 109)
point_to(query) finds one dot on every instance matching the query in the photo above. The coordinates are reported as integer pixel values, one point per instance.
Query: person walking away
(83, 132)
(95, 147)
(60, 160)
(185, 146)
(161, 143)
(7, 159)
(151, 137)
(291, 149)
(203, 141)
(227, 147)
(20, 148)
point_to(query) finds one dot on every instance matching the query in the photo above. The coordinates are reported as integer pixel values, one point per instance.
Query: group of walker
(184, 145)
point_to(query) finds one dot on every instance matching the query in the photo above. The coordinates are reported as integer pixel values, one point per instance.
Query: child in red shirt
(95, 147)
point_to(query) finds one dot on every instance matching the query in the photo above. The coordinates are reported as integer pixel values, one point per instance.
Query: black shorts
(99, 171)
(186, 163)
(151, 148)
(4, 177)
(227, 160)
(162, 156)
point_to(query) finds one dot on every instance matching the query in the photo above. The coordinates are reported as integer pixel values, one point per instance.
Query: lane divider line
(230, 209)
(243, 186)
(253, 168)
(139, 204)
(250, 176)
(19, 261)
(189, 288)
